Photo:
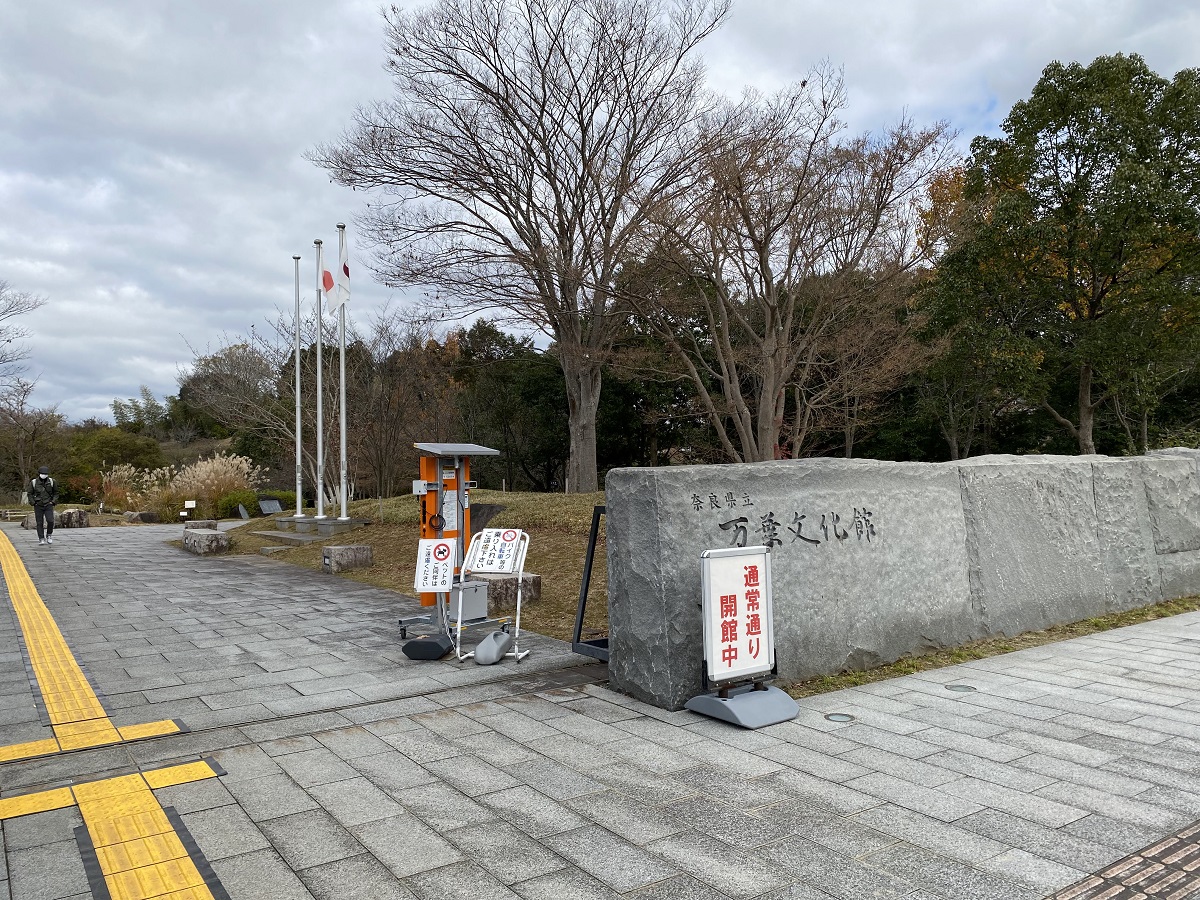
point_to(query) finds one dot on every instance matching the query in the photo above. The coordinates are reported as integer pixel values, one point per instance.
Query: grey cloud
(153, 187)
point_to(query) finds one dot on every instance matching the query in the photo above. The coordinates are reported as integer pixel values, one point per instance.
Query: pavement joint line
(72, 707)
(133, 848)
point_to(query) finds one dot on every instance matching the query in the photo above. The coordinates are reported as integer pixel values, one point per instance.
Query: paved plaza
(262, 736)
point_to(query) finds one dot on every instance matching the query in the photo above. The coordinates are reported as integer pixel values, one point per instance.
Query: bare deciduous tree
(526, 142)
(783, 273)
(13, 352)
(29, 436)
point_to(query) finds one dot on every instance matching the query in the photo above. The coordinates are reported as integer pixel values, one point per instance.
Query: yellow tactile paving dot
(76, 713)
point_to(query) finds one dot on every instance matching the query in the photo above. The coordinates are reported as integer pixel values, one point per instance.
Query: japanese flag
(337, 287)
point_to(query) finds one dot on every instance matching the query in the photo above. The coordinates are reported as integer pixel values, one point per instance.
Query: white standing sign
(738, 638)
(436, 559)
(494, 551)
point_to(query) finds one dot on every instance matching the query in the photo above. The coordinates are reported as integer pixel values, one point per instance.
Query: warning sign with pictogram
(435, 565)
(494, 550)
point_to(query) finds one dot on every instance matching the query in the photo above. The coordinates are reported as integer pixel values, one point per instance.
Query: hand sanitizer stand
(739, 646)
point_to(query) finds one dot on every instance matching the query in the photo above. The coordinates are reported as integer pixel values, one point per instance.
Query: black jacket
(43, 492)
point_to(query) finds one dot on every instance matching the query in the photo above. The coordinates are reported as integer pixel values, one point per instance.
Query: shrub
(206, 481)
(119, 486)
(227, 505)
(287, 499)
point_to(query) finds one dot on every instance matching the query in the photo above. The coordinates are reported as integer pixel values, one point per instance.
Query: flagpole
(296, 363)
(320, 411)
(342, 372)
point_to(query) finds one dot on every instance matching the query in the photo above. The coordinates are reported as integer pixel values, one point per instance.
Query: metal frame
(598, 648)
(472, 552)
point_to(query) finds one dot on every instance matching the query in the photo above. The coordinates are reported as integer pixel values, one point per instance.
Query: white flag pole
(342, 369)
(320, 411)
(296, 363)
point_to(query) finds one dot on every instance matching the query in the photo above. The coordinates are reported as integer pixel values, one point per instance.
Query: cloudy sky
(152, 184)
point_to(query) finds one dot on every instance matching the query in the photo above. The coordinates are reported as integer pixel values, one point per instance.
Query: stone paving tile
(533, 812)
(681, 887)
(224, 831)
(312, 838)
(470, 774)
(618, 863)
(270, 796)
(406, 845)
(47, 872)
(354, 801)
(309, 767)
(462, 881)
(40, 829)
(936, 802)
(839, 875)
(1155, 817)
(361, 877)
(734, 873)
(284, 746)
(950, 841)
(352, 742)
(627, 818)
(1032, 870)
(443, 808)
(504, 851)
(261, 875)
(1051, 843)
(1036, 807)
(558, 781)
(947, 878)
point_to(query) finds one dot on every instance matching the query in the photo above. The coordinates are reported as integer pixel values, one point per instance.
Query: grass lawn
(558, 526)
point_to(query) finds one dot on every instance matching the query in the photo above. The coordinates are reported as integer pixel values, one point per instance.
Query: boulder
(502, 590)
(147, 517)
(72, 518)
(205, 541)
(343, 557)
(30, 522)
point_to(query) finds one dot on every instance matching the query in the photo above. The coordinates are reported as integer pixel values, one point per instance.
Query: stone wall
(875, 560)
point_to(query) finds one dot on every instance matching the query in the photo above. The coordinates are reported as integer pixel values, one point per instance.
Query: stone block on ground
(502, 590)
(205, 541)
(147, 517)
(72, 518)
(30, 522)
(210, 524)
(343, 557)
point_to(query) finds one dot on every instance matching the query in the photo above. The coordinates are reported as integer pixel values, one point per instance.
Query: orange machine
(444, 493)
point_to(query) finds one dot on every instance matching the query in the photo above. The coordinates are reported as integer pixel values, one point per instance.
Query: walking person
(43, 494)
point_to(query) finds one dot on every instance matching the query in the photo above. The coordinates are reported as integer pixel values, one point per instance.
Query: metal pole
(342, 374)
(320, 410)
(299, 442)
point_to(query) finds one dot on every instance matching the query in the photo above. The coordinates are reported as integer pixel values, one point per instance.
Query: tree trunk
(583, 401)
(1087, 411)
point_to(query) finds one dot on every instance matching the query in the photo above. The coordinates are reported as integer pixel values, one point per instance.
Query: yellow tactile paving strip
(76, 714)
(139, 852)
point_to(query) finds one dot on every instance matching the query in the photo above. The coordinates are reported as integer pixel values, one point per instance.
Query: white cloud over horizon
(152, 180)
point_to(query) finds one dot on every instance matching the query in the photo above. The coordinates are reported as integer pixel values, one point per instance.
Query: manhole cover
(840, 717)
(960, 688)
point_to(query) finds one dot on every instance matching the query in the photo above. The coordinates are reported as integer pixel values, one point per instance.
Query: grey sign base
(747, 707)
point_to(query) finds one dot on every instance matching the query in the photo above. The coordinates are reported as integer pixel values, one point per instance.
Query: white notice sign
(435, 565)
(494, 550)
(450, 510)
(738, 639)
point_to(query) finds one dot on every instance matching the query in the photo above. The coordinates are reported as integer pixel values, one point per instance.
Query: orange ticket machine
(443, 491)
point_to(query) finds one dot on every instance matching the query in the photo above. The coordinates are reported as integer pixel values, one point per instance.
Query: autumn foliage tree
(1084, 237)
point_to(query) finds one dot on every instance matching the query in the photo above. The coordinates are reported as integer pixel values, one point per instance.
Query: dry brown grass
(558, 526)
